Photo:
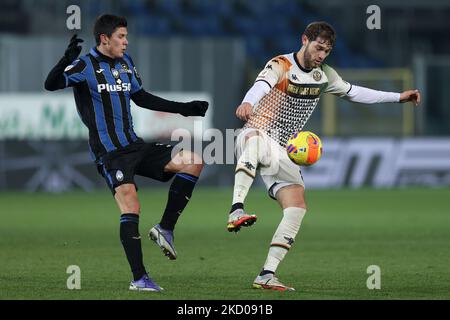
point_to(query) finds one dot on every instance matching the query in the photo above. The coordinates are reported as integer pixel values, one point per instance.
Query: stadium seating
(268, 26)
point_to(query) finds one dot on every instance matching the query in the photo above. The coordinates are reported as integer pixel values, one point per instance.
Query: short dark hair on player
(107, 24)
(320, 29)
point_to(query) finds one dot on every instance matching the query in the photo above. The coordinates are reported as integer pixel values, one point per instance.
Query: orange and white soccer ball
(304, 148)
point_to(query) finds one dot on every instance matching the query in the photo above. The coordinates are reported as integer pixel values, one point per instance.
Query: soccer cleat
(145, 284)
(238, 218)
(270, 281)
(164, 239)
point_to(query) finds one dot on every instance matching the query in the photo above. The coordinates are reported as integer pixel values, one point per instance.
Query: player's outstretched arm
(370, 96)
(359, 94)
(410, 95)
(149, 101)
(55, 79)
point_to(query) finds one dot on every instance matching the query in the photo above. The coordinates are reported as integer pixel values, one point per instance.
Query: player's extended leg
(127, 200)
(187, 166)
(292, 200)
(253, 153)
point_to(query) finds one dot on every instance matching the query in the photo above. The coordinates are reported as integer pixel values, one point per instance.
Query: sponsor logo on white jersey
(317, 75)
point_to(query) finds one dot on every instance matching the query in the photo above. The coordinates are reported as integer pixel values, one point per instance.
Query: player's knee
(126, 190)
(130, 206)
(291, 196)
(127, 199)
(195, 164)
(133, 208)
(255, 151)
(197, 169)
(301, 203)
(253, 133)
(197, 161)
(298, 203)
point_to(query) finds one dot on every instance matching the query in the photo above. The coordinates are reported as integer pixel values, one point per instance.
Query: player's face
(117, 43)
(315, 52)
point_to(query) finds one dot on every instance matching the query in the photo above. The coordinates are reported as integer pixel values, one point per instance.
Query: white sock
(284, 237)
(242, 184)
(252, 155)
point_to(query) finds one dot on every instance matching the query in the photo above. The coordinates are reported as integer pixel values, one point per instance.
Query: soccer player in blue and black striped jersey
(104, 81)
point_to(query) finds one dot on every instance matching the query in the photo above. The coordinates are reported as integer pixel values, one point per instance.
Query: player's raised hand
(195, 108)
(73, 49)
(410, 95)
(244, 111)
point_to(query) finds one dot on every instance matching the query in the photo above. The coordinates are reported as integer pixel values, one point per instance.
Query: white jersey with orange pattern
(293, 96)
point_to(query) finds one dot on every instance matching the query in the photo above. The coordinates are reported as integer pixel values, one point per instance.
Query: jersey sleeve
(336, 85)
(273, 71)
(74, 73)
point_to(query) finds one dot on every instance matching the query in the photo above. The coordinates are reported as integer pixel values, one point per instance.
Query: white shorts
(276, 169)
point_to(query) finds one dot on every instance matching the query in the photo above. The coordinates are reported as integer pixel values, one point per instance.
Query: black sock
(180, 193)
(131, 241)
(237, 205)
(264, 272)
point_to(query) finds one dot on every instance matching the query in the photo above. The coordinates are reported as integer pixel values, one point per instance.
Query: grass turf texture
(405, 232)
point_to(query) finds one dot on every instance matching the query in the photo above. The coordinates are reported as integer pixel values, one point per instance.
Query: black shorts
(144, 159)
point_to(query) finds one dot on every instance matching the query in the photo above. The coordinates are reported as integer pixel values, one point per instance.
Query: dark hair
(107, 24)
(320, 29)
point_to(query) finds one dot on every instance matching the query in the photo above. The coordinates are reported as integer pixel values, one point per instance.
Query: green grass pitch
(406, 232)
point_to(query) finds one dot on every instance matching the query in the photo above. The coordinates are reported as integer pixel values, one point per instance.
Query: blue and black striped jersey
(103, 87)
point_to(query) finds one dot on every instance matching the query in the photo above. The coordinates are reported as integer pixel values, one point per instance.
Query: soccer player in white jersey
(279, 104)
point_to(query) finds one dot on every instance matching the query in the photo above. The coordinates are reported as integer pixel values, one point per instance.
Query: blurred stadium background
(213, 49)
